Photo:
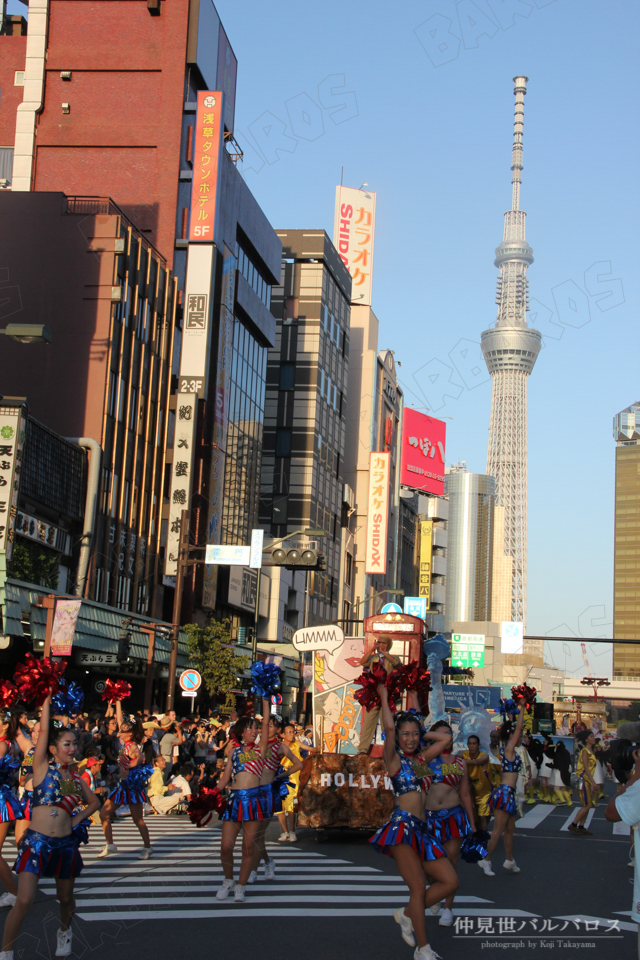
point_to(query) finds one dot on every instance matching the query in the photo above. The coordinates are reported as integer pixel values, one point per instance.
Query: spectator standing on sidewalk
(625, 806)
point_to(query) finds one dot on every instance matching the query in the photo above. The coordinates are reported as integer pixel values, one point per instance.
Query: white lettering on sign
(339, 780)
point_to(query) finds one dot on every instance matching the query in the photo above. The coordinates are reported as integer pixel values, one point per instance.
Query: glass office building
(469, 553)
(626, 563)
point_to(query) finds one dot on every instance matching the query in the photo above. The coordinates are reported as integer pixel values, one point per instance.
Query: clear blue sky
(434, 142)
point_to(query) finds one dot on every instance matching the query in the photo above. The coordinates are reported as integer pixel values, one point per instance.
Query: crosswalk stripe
(534, 817)
(244, 911)
(621, 829)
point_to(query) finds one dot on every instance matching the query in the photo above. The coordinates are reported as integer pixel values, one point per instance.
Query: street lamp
(28, 332)
(310, 532)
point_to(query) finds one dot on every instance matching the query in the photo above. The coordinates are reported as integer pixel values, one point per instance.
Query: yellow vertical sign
(426, 537)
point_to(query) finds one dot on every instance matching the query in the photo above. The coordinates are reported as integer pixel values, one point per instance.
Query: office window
(283, 442)
(287, 376)
(321, 381)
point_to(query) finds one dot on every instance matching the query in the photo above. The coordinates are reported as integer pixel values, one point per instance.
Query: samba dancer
(449, 811)
(131, 790)
(503, 798)
(273, 791)
(50, 846)
(585, 769)
(404, 836)
(246, 805)
(10, 807)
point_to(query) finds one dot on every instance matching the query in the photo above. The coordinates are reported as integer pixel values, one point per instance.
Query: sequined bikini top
(410, 776)
(510, 766)
(54, 791)
(247, 759)
(449, 773)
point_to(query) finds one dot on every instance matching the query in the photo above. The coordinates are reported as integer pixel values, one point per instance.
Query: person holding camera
(625, 806)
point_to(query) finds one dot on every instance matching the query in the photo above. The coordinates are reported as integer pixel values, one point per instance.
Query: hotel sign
(207, 147)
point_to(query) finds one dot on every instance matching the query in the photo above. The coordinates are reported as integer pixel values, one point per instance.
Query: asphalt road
(336, 898)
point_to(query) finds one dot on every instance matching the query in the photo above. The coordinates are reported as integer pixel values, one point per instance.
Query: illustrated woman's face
(409, 738)
(345, 661)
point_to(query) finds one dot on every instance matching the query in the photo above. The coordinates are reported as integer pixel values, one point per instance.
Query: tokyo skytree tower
(510, 350)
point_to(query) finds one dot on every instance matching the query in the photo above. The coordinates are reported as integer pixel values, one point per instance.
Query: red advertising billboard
(207, 145)
(422, 452)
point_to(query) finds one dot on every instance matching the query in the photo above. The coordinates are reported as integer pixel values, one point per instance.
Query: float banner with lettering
(375, 560)
(344, 791)
(207, 149)
(422, 452)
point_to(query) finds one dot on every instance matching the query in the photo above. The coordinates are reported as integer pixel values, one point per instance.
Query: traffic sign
(190, 681)
(467, 650)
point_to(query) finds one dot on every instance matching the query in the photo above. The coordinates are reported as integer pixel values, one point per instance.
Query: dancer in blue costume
(61, 801)
(10, 807)
(405, 836)
(503, 798)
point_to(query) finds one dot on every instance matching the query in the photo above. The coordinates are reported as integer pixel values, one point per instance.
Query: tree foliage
(211, 653)
(34, 563)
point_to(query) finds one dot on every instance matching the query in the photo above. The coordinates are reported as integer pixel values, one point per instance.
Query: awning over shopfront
(98, 626)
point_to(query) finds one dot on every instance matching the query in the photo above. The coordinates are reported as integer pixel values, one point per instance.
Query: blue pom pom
(69, 699)
(266, 679)
(474, 846)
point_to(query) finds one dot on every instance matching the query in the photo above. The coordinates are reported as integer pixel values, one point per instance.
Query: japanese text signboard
(426, 542)
(12, 433)
(377, 514)
(207, 146)
(181, 470)
(353, 236)
(467, 649)
(422, 452)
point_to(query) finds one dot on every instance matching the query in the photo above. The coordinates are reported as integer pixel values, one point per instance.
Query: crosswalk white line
(621, 829)
(568, 821)
(534, 817)
(243, 910)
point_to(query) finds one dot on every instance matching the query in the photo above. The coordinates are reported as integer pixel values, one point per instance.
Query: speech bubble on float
(318, 638)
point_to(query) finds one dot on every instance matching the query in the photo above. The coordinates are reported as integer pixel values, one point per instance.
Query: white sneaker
(107, 850)
(225, 889)
(426, 953)
(631, 863)
(406, 927)
(239, 893)
(436, 907)
(253, 876)
(283, 836)
(64, 943)
(485, 866)
(145, 853)
(7, 900)
(446, 918)
(292, 837)
(512, 866)
(270, 870)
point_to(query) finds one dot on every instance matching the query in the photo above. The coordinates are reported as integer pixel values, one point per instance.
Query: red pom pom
(201, 808)
(8, 693)
(116, 690)
(528, 694)
(36, 679)
(368, 697)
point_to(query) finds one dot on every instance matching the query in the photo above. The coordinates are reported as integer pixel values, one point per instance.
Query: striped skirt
(10, 806)
(250, 804)
(504, 798)
(404, 827)
(448, 824)
(57, 857)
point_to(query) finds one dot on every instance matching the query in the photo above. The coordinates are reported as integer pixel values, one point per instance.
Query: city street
(337, 897)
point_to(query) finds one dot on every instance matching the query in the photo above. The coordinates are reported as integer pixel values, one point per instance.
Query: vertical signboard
(426, 539)
(63, 631)
(512, 637)
(221, 420)
(377, 514)
(353, 237)
(207, 146)
(181, 475)
(422, 452)
(13, 425)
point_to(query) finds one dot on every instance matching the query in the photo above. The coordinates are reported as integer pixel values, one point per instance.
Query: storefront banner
(65, 618)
